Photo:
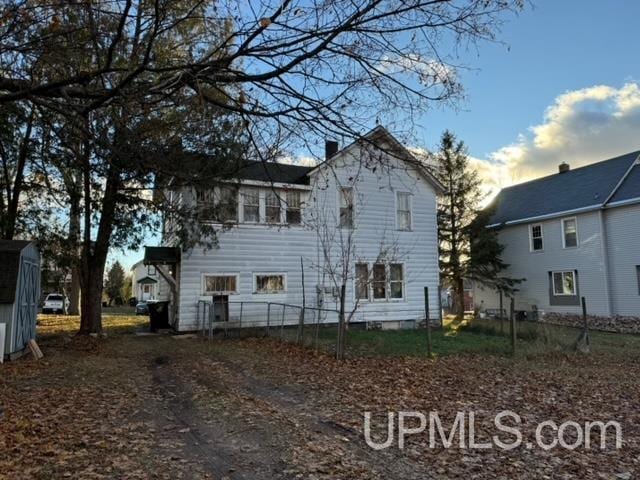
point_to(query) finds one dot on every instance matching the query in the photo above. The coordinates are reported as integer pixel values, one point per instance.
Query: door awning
(161, 255)
(147, 280)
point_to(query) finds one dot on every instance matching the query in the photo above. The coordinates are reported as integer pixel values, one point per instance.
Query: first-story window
(396, 281)
(269, 283)
(379, 281)
(362, 281)
(386, 282)
(251, 205)
(537, 242)
(294, 207)
(564, 283)
(272, 207)
(219, 284)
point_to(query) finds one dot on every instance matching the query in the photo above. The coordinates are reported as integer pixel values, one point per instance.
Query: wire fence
(309, 326)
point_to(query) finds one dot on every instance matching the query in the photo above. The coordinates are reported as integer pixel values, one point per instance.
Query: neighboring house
(147, 283)
(571, 235)
(288, 222)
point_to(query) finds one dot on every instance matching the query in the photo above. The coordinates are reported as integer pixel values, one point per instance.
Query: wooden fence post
(513, 325)
(501, 314)
(427, 323)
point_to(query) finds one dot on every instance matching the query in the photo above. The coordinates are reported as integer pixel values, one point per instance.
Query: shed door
(27, 304)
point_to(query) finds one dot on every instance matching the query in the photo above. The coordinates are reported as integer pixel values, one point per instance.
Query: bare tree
(125, 74)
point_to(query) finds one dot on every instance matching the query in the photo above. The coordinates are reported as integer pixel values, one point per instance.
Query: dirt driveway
(161, 407)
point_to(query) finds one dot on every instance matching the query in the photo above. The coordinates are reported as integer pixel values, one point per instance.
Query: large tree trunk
(91, 298)
(74, 237)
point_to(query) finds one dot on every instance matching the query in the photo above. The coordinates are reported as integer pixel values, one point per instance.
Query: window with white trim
(362, 281)
(251, 205)
(219, 284)
(151, 270)
(294, 207)
(569, 232)
(396, 281)
(346, 207)
(272, 207)
(403, 210)
(564, 283)
(379, 282)
(269, 283)
(537, 238)
(219, 204)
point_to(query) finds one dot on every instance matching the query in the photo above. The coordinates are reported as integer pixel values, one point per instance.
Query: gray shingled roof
(274, 172)
(579, 188)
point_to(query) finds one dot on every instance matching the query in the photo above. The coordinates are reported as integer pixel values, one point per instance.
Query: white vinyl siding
(403, 210)
(536, 238)
(570, 232)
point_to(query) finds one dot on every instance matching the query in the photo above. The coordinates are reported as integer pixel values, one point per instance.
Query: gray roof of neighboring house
(583, 187)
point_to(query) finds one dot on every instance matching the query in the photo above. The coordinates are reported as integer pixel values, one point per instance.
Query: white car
(55, 303)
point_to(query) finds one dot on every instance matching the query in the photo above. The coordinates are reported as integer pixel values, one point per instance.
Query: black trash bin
(158, 315)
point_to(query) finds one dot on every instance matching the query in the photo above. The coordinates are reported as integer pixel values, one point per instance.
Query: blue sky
(562, 87)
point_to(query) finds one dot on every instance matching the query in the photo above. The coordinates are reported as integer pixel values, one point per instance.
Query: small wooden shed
(19, 293)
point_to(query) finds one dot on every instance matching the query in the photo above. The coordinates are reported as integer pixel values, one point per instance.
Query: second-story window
(294, 205)
(226, 207)
(537, 242)
(569, 232)
(251, 205)
(346, 207)
(272, 207)
(403, 213)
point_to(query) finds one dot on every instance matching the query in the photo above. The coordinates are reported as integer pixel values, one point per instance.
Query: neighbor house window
(396, 281)
(151, 270)
(272, 207)
(219, 284)
(570, 232)
(403, 212)
(346, 207)
(537, 242)
(362, 281)
(294, 205)
(269, 283)
(379, 281)
(564, 283)
(251, 205)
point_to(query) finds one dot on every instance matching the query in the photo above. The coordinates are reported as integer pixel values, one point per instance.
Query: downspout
(605, 261)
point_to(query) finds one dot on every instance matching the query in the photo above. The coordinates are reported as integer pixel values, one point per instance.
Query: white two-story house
(570, 235)
(287, 234)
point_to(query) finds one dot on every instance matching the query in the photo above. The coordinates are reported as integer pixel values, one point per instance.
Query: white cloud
(302, 160)
(580, 127)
